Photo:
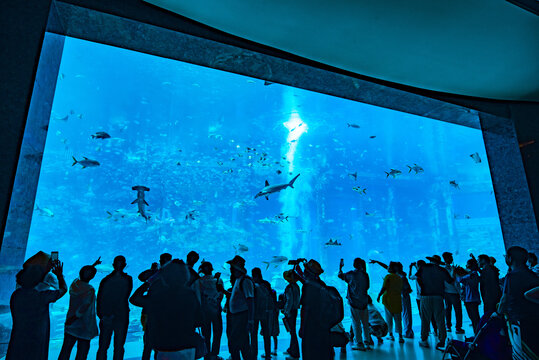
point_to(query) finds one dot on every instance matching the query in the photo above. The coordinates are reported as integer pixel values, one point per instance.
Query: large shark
(140, 200)
(267, 190)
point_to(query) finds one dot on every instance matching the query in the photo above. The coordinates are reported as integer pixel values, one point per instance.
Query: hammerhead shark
(275, 188)
(140, 200)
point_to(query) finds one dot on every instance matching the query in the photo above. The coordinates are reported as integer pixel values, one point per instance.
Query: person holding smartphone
(30, 313)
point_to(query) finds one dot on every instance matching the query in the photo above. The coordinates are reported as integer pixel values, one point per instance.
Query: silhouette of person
(173, 312)
(113, 309)
(358, 285)
(316, 341)
(192, 259)
(263, 311)
(80, 325)
(292, 297)
(30, 313)
(241, 310)
(489, 284)
(209, 290)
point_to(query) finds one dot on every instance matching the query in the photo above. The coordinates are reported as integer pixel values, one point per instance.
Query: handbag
(201, 349)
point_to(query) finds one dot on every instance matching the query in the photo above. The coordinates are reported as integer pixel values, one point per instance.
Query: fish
(140, 201)
(85, 163)
(372, 137)
(120, 214)
(240, 248)
(276, 261)
(359, 190)
(44, 211)
(267, 221)
(476, 158)
(270, 189)
(192, 215)
(332, 242)
(454, 184)
(65, 118)
(393, 173)
(279, 172)
(354, 175)
(418, 169)
(267, 83)
(355, 126)
(281, 217)
(101, 135)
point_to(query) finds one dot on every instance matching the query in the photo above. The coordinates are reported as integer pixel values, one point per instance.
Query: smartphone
(54, 256)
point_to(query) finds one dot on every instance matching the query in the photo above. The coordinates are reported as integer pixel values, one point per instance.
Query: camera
(297, 261)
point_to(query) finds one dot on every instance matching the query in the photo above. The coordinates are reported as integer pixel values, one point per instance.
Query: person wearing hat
(452, 296)
(30, 313)
(431, 278)
(290, 310)
(241, 310)
(210, 295)
(316, 341)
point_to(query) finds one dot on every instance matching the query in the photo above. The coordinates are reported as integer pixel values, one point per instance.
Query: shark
(140, 200)
(270, 189)
(276, 261)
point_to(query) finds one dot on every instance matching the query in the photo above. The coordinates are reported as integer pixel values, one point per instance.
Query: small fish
(359, 190)
(355, 126)
(267, 83)
(101, 135)
(240, 248)
(279, 172)
(393, 173)
(476, 158)
(229, 171)
(65, 118)
(85, 163)
(454, 184)
(372, 137)
(276, 261)
(192, 215)
(467, 217)
(418, 169)
(354, 175)
(179, 163)
(44, 211)
(332, 242)
(282, 217)
(267, 221)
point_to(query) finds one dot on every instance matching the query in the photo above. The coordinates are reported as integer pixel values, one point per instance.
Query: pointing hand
(97, 262)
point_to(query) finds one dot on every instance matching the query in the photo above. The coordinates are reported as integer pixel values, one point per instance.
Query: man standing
(452, 296)
(489, 284)
(192, 259)
(241, 310)
(431, 278)
(520, 312)
(358, 298)
(290, 311)
(113, 309)
(316, 338)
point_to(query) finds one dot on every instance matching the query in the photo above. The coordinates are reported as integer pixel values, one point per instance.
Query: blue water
(184, 131)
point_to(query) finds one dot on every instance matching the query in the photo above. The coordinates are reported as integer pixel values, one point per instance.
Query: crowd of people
(177, 300)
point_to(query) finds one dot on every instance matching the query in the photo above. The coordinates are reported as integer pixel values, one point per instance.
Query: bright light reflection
(296, 127)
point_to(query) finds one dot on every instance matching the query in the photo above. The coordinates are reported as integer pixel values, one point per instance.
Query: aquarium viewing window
(373, 182)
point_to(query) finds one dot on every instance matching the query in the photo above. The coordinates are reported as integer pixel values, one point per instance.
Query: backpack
(331, 306)
(210, 297)
(263, 300)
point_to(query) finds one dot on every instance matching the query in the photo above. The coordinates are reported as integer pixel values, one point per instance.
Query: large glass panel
(374, 183)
